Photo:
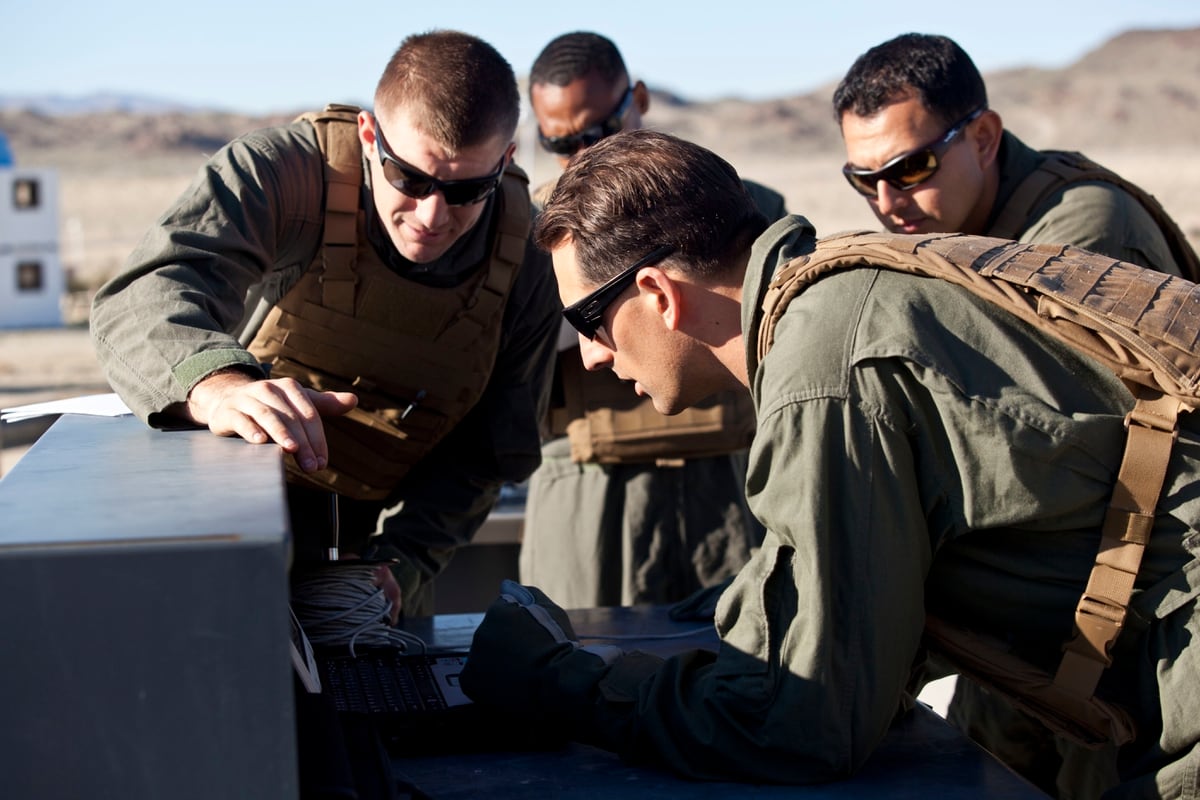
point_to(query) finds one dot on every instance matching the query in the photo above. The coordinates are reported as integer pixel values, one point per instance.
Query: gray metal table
(144, 617)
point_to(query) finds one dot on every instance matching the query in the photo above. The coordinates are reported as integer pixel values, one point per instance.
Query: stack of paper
(96, 405)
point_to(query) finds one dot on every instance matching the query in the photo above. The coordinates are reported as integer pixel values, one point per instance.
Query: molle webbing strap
(343, 187)
(1142, 324)
(1153, 426)
(608, 423)
(1062, 168)
(1088, 721)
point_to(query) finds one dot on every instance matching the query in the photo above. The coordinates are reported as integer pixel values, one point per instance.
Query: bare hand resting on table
(281, 410)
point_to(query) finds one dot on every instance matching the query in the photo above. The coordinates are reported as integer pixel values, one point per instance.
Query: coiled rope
(339, 605)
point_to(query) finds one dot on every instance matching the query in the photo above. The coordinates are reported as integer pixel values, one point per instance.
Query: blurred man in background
(629, 506)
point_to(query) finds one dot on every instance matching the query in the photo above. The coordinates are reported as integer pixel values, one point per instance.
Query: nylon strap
(1100, 615)
(1062, 168)
(343, 182)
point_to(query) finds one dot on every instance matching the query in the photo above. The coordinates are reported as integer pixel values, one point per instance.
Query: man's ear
(985, 137)
(366, 131)
(641, 97)
(664, 293)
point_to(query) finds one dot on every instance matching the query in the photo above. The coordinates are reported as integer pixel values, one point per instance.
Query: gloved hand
(700, 605)
(525, 658)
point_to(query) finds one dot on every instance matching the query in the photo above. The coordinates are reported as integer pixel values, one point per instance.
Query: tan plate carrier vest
(1142, 324)
(608, 423)
(418, 357)
(1062, 168)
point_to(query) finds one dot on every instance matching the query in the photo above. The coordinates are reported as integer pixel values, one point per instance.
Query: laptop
(381, 681)
(387, 682)
(413, 700)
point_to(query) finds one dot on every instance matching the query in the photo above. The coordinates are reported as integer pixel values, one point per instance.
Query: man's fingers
(385, 580)
(332, 404)
(285, 412)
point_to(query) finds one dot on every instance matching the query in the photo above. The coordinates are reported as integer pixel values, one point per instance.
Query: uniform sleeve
(818, 632)
(1105, 219)
(167, 320)
(448, 495)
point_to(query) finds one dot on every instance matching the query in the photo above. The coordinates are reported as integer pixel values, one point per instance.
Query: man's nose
(889, 198)
(596, 355)
(432, 210)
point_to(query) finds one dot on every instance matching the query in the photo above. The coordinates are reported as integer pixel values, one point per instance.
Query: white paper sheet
(96, 405)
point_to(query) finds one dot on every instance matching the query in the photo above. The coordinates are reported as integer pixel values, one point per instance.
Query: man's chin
(420, 253)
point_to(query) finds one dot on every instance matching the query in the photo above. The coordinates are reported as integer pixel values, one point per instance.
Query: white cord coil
(340, 606)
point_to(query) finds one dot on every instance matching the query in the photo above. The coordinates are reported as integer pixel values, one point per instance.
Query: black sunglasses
(911, 169)
(573, 143)
(587, 314)
(416, 184)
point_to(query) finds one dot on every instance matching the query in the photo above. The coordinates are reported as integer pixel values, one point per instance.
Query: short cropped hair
(462, 90)
(636, 190)
(571, 56)
(933, 68)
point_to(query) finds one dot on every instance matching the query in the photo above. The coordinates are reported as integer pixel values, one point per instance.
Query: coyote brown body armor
(1063, 168)
(1142, 324)
(417, 357)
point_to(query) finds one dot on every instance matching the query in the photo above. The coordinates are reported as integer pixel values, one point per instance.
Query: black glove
(700, 605)
(525, 658)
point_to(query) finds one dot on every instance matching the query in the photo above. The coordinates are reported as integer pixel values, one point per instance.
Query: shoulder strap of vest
(337, 136)
(509, 240)
(1062, 168)
(1142, 324)
(515, 216)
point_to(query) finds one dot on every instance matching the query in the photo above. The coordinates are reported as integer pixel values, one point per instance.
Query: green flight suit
(918, 449)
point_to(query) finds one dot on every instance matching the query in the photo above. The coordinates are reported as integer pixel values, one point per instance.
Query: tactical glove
(525, 658)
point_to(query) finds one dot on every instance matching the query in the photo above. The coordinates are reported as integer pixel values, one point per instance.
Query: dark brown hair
(636, 190)
(932, 68)
(461, 89)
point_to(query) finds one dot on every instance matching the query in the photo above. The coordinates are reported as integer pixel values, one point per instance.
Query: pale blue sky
(261, 56)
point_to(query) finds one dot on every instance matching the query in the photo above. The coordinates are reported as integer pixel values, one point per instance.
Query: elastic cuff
(196, 368)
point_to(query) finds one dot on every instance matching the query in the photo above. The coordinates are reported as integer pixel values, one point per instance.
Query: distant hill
(1139, 89)
(96, 102)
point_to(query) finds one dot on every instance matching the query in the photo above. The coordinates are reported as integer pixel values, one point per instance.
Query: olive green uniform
(198, 286)
(918, 450)
(1105, 219)
(1094, 215)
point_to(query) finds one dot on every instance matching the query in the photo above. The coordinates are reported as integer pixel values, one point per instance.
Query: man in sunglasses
(357, 287)
(629, 506)
(919, 451)
(929, 155)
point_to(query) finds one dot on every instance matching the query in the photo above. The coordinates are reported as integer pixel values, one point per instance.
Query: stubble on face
(945, 202)
(424, 229)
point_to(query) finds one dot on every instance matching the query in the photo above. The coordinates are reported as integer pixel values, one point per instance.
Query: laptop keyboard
(386, 682)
